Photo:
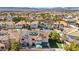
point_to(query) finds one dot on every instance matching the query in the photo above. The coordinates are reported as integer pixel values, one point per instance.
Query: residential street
(42, 49)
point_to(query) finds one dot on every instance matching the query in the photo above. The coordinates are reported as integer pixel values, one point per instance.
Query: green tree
(72, 47)
(57, 18)
(15, 46)
(54, 36)
(54, 40)
(40, 25)
(17, 19)
(5, 19)
(46, 16)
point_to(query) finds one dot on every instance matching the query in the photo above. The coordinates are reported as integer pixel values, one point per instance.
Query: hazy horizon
(39, 3)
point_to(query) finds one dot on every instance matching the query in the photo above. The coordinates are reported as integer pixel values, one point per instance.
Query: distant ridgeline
(57, 9)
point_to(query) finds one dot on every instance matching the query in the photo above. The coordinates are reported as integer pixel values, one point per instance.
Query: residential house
(70, 19)
(10, 25)
(20, 24)
(25, 38)
(2, 25)
(34, 24)
(4, 40)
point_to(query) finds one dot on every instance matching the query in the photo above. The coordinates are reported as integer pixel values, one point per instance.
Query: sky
(39, 3)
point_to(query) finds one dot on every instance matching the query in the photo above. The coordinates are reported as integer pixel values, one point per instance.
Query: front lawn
(59, 45)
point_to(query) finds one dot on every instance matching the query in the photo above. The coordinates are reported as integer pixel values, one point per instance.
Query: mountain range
(57, 9)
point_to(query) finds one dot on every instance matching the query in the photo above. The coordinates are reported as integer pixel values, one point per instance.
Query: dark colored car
(34, 33)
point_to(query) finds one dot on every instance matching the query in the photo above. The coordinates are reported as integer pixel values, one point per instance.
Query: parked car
(34, 33)
(38, 44)
(23, 45)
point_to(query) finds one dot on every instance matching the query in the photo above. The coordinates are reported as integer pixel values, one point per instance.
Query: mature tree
(72, 47)
(17, 19)
(54, 40)
(46, 16)
(54, 36)
(40, 25)
(27, 27)
(57, 18)
(15, 46)
(5, 19)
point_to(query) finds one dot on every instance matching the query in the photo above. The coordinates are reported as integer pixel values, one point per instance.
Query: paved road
(37, 49)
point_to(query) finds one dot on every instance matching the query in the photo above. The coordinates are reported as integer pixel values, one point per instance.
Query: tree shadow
(53, 44)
